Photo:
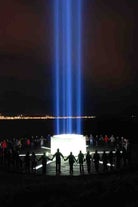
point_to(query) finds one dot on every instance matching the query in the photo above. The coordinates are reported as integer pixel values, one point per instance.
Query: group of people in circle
(109, 161)
(119, 155)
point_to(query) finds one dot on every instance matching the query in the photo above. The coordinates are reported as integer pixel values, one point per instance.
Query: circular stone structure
(68, 143)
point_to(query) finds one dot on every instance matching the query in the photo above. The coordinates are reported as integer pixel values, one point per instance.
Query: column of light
(68, 97)
(56, 81)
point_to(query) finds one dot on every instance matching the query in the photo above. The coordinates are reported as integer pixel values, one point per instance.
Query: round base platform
(68, 143)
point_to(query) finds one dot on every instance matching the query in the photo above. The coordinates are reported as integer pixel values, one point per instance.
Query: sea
(119, 126)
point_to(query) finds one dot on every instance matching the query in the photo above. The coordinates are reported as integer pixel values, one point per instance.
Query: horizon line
(22, 117)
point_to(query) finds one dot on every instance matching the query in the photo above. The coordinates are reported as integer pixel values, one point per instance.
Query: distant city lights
(22, 117)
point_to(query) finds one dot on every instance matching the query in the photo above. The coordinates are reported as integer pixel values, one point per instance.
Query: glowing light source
(67, 65)
(68, 143)
(40, 166)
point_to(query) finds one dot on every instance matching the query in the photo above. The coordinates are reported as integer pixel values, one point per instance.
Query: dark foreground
(118, 188)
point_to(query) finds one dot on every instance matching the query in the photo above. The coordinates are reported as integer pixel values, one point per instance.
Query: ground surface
(119, 188)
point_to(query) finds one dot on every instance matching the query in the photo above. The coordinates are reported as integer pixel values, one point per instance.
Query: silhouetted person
(104, 159)
(33, 162)
(44, 158)
(81, 161)
(91, 140)
(8, 158)
(118, 158)
(27, 162)
(96, 159)
(58, 156)
(124, 156)
(71, 159)
(129, 154)
(88, 161)
(111, 159)
(18, 161)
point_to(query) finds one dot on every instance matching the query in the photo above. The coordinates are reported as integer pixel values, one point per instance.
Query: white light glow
(108, 164)
(68, 143)
(43, 147)
(40, 166)
(37, 154)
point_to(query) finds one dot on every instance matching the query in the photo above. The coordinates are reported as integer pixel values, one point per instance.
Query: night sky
(109, 60)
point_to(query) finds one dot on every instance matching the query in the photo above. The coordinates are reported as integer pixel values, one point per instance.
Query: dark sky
(109, 56)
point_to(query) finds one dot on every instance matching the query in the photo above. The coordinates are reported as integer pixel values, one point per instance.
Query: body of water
(126, 127)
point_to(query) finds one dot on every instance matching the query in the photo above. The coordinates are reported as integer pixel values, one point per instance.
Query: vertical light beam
(79, 82)
(68, 66)
(68, 84)
(56, 81)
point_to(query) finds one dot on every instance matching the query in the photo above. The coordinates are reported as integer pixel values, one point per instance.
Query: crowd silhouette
(117, 157)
